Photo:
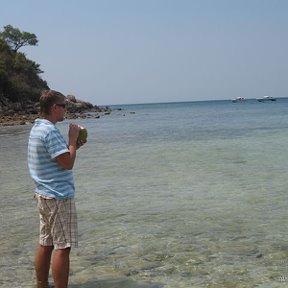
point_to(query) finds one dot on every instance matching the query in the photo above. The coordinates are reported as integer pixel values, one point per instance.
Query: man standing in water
(50, 162)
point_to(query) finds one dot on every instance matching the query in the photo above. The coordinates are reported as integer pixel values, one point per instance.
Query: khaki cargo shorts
(58, 222)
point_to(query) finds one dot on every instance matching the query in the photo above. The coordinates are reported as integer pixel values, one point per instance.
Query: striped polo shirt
(45, 144)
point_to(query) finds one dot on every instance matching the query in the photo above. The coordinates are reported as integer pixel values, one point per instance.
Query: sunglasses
(61, 105)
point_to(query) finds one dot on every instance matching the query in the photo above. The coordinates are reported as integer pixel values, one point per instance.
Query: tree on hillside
(20, 80)
(17, 39)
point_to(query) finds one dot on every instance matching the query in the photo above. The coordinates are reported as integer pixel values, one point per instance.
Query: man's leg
(42, 265)
(60, 267)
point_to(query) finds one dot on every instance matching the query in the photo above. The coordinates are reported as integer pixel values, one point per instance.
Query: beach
(168, 195)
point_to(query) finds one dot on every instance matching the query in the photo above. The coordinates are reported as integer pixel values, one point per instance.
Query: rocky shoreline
(12, 114)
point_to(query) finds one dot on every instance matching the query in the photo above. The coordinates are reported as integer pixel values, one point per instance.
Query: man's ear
(53, 107)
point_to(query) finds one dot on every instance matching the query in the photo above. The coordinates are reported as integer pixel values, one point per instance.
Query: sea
(188, 194)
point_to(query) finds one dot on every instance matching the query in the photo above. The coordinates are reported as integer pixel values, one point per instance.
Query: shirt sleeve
(55, 143)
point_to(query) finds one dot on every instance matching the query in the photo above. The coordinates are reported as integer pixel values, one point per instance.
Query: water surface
(168, 195)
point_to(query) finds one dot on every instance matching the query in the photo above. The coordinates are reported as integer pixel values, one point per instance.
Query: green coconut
(83, 134)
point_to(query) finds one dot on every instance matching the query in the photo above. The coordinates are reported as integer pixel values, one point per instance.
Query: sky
(145, 51)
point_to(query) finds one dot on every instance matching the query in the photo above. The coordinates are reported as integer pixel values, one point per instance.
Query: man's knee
(46, 248)
(62, 252)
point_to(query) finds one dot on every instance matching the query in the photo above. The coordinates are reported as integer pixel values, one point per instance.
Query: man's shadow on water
(117, 283)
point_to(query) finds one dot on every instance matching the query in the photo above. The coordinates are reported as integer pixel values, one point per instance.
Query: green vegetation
(19, 76)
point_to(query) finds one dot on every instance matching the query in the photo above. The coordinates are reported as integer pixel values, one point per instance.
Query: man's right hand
(73, 134)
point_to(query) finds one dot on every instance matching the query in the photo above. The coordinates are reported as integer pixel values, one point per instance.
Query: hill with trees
(21, 83)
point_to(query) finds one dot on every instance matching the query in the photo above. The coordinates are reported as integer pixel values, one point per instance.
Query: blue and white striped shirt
(45, 144)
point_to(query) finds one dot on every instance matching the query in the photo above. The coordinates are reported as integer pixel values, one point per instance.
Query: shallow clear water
(168, 195)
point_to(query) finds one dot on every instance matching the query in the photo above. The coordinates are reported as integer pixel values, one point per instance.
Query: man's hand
(73, 134)
(66, 160)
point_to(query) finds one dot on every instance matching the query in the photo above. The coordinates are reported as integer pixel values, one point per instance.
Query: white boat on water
(266, 98)
(238, 99)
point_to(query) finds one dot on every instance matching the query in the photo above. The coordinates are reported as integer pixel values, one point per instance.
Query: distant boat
(266, 98)
(238, 99)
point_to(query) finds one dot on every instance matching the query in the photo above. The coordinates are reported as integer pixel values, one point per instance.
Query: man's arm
(67, 160)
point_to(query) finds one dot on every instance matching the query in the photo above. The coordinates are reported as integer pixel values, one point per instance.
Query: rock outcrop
(21, 114)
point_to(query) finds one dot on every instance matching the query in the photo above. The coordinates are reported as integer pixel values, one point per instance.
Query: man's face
(60, 109)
